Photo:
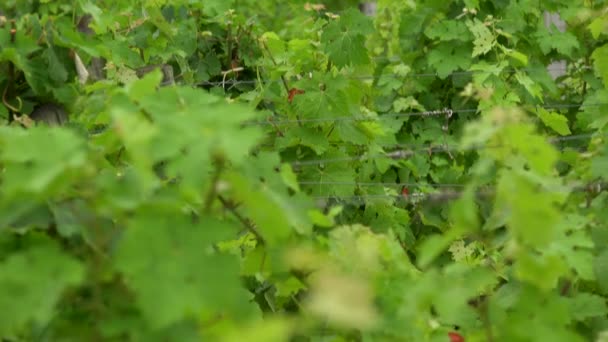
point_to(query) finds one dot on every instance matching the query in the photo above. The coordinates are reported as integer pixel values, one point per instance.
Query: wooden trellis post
(557, 68)
(368, 8)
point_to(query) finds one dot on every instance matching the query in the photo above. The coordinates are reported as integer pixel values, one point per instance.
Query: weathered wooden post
(368, 8)
(556, 68)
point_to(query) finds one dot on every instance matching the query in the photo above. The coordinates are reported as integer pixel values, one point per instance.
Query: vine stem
(485, 318)
(401, 243)
(9, 82)
(274, 62)
(211, 193)
(245, 222)
(7, 104)
(285, 84)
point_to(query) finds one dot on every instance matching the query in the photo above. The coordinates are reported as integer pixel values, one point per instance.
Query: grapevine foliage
(286, 171)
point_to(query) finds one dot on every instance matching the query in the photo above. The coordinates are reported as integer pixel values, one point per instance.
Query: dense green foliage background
(284, 171)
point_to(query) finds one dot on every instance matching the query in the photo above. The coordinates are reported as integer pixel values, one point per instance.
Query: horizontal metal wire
(407, 153)
(436, 112)
(385, 184)
(233, 82)
(448, 195)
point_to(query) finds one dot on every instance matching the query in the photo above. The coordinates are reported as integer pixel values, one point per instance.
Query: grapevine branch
(11, 75)
(244, 221)
(593, 188)
(219, 167)
(274, 62)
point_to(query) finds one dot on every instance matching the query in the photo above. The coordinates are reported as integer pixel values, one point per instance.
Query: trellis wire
(446, 195)
(407, 153)
(386, 184)
(369, 77)
(436, 112)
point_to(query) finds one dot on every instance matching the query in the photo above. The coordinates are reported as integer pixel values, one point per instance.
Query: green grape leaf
(555, 121)
(600, 62)
(217, 7)
(268, 329)
(192, 219)
(575, 245)
(599, 166)
(464, 212)
(344, 39)
(433, 246)
(155, 16)
(564, 43)
(272, 212)
(598, 26)
(167, 262)
(539, 154)
(465, 284)
(39, 160)
(445, 30)
(600, 268)
(290, 287)
(533, 217)
(484, 39)
(448, 57)
(67, 36)
(333, 173)
(32, 282)
(3, 112)
(304, 136)
(101, 21)
(289, 177)
(519, 57)
(404, 104)
(542, 271)
(325, 220)
(324, 102)
(23, 44)
(337, 97)
(532, 87)
(57, 70)
(586, 305)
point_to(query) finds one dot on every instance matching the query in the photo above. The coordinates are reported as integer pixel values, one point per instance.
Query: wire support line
(233, 82)
(407, 153)
(437, 112)
(434, 148)
(448, 195)
(385, 184)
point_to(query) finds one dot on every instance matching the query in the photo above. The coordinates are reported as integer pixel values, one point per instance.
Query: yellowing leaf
(345, 301)
(598, 26)
(403, 104)
(484, 39)
(533, 88)
(555, 121)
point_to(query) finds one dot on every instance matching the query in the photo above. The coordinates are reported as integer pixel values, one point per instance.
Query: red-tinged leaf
(405, 192)
(293, 92)
(455, 337)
